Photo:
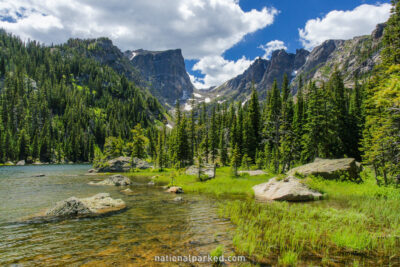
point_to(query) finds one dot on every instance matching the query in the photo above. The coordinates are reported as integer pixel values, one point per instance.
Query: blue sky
(292, 16)
(219, 38)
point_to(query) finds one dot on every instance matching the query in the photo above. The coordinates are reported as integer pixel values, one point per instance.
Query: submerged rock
(116, 180)
(101, 203)
(92, 171)
(21, 163)
(175, 189)
(206, 170)
(288, 189)
(127, 191)
(178, 199)
(124, 164)
(38, 175)
(329, 168)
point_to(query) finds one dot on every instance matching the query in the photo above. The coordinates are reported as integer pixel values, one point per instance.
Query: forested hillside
(328, 120)
(57, 105)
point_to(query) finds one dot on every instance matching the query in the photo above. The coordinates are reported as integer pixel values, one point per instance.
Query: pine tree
(213, 137)
(391, 37)
(139, 142)
(273, 125)
(299, 121)
(253, 130)
(223, 151)
(23, 145)
(235, 160)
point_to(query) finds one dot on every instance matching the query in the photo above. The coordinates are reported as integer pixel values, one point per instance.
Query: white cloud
(203, 29)
(200, 27)
(339, 24)
(218, 70)
(271, 47)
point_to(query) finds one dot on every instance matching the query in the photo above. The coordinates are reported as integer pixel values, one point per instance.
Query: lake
(153, 225)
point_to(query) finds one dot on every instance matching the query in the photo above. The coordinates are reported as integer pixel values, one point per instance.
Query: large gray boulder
(329, 169)
(116, 180)
(124, 164)
(98, 204)
(206, 170)
(20, 163)
(287, 189)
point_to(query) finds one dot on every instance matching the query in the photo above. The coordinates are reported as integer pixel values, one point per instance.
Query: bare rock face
(115, 180)
(175, 189)
(101, 203)
(287, 189)
(165, 71)
(262, 73)
(124, 164)
(329, 168)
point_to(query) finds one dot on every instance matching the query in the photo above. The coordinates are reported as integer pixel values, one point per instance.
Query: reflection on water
(153, 224)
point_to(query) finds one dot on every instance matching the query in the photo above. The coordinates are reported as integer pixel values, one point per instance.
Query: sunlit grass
(356, 220)
(223, 184)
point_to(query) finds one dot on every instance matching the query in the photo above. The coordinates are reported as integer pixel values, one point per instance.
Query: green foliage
(217, 253)
(381, 139)
(139, 141)
(288, 258)
(222, 185)
(57, 103)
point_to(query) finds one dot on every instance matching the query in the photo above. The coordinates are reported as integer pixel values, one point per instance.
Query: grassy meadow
(355, 224)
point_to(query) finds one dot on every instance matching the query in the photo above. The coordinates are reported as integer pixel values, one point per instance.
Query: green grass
(288, 258)
(359, 221)
(223, 184)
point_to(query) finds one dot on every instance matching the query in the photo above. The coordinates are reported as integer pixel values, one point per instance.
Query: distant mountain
(165, 71)
(355, 57)
(262, 73)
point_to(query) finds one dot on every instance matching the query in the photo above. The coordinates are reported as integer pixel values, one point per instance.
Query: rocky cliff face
(165, 71)
(355, 57)
(262, 73)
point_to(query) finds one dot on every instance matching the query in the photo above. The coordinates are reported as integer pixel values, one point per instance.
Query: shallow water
(152, 225)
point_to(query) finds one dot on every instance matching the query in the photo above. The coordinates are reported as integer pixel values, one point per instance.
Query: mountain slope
(262, 73)
(57, 104)
(165, 71)
(355, 57)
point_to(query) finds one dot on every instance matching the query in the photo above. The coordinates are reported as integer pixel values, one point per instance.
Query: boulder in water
(124, 164)
(116, 180)
(175, 189)
(287, 189)
(21, 163)
(329, 168)
(101, 203)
